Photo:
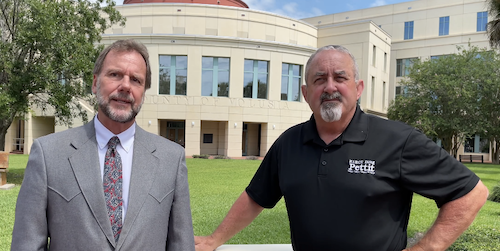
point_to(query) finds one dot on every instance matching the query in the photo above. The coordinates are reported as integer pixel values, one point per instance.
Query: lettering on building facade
(215, 101)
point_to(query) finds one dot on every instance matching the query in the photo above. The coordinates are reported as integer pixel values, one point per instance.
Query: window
(401, 90)
(482, 21)
(373, 93)
(385, 61)
(256, 73)
(476, 144)
(383, 95)
(173, 75)
(435, 57)
(403, 66)
(215, 77)
(208, 138)
(408, 30)
(444, 26)
(374, 59)
(291, 79)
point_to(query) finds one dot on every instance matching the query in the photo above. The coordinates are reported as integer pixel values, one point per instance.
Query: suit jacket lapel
(85, 165)
(144, 168)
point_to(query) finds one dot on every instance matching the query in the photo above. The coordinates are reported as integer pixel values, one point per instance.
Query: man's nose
(125, 83)
(330, 86)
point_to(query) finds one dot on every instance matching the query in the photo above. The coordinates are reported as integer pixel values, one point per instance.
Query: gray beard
(331, 112)
(110, 113)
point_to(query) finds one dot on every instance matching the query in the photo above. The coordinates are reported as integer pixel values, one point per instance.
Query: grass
(17, 163)
(216, 183)
(483, 234)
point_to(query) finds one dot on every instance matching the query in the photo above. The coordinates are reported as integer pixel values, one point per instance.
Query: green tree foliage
(494, 25)
(442, 97)
(47, 47)
(489, 100)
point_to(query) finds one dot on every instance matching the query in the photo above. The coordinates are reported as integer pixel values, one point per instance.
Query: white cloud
(317, 12)
(260, 4)
(378, 3)
(290, 9)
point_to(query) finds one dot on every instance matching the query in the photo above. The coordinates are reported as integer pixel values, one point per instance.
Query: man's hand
(453, 219)
(204, 243)
(241, 214)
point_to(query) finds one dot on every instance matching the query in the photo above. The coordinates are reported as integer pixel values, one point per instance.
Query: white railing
(18, 144)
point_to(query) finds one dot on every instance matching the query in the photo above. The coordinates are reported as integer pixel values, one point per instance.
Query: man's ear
(94, 84)
(359, 88)
(304, 92)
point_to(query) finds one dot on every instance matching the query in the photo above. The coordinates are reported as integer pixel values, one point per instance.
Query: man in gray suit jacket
(81, 193)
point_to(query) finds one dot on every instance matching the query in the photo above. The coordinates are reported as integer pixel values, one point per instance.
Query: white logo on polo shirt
(361, 166)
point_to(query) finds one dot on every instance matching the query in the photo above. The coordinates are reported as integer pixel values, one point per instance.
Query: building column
(222, 138)
(264, 139)
(192, 137)
(28, 133)
(234, 138)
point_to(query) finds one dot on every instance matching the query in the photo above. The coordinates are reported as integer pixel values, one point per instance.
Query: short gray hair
(335, 48)
(125, 45)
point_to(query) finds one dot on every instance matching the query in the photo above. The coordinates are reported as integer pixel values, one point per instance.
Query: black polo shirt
(356, 192)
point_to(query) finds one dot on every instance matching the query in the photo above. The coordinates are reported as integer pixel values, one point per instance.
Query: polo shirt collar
(356, 131)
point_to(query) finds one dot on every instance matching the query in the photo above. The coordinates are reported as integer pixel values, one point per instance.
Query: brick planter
(4, 164)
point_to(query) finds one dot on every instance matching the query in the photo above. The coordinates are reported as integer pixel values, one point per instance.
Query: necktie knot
(113, 142)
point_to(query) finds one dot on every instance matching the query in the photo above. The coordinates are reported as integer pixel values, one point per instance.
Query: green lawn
(215, 184)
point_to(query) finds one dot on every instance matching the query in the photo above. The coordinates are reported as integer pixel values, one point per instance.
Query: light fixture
(149, 122)
(274, 126)
(235, 124)
(192, 123)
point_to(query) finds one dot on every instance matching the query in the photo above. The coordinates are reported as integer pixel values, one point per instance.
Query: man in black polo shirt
(348, 177)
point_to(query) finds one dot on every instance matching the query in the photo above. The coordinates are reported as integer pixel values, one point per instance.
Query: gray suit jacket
(62, 198)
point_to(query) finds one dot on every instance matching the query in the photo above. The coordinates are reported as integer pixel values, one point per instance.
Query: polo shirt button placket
(323, 169)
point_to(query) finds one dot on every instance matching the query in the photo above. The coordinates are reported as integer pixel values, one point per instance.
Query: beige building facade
(419, 29)
(226, 80)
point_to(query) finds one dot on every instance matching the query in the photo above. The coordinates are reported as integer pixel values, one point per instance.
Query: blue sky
(309, 8)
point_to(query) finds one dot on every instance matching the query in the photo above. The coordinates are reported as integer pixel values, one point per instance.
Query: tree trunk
(447, 145)
(494, 151)
(455, 146)
(2, 142)
(4, 126)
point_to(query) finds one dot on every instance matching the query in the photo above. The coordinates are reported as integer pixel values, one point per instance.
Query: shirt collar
(103, 135)
(356, 131)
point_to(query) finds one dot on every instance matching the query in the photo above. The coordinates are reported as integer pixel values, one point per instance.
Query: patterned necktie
(112, 184)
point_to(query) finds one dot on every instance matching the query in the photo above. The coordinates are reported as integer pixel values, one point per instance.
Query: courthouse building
(226, 79)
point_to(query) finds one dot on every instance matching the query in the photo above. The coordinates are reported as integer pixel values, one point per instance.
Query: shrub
(201, 156)
(495, 194)
(221, 157)
(252, 158)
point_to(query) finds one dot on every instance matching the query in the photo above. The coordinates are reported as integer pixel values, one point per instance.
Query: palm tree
(494, 25)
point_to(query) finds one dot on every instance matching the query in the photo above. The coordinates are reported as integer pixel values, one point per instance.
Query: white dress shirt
(125, 149)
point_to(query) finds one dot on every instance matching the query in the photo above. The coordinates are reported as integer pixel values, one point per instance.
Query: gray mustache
(335, 95)
(122, 96)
